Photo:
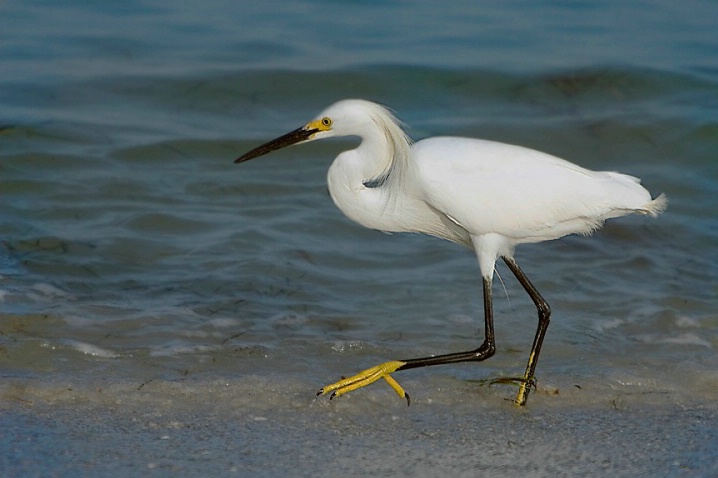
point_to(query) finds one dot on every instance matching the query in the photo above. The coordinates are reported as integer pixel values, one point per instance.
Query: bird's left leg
(544, 314)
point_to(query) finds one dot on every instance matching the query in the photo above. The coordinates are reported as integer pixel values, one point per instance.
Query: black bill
(296, 136)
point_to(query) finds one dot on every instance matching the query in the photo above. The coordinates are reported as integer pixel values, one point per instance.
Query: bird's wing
(520, 193)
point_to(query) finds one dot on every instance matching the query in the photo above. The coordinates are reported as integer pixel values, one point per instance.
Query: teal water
(154, 293)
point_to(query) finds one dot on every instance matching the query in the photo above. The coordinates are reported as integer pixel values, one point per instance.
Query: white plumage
(463, 189)
(485, 195)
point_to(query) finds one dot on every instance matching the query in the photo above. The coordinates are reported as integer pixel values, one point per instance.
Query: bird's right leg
(371, 375)
(486, 350)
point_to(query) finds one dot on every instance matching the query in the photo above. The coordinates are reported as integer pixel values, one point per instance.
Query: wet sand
(253, 427)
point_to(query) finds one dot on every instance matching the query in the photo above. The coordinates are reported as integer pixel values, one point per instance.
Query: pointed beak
(297, 136)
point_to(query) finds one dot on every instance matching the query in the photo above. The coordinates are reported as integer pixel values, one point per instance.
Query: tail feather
(655, 207)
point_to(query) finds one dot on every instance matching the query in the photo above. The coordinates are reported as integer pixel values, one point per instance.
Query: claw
(525, 386)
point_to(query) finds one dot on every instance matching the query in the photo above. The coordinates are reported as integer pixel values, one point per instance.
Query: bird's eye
(326, 121)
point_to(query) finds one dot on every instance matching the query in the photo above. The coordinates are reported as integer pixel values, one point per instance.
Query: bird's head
(344, 118)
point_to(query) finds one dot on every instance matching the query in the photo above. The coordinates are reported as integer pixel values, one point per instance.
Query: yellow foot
(525, 386)
(368, 376)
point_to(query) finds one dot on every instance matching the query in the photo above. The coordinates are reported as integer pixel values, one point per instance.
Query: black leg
(384, 370)
(487, 349)
(544, 314)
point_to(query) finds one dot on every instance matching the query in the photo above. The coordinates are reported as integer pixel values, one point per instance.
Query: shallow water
(147, 281)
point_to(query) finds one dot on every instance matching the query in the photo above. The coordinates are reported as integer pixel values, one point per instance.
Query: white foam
(90, 349)
(224, 322)
(49, 290)
(608, 324)
(344, 345)
(170, 351)
(684, 321)
(687, 339)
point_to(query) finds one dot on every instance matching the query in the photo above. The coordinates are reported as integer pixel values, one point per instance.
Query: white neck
(366, 183)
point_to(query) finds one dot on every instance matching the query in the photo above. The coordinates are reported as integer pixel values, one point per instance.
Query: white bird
(485, 195)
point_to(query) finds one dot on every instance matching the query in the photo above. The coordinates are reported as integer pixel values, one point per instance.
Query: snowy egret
(485, 195)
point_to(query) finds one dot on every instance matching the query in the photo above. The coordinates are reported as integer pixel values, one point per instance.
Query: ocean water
(163, 310)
